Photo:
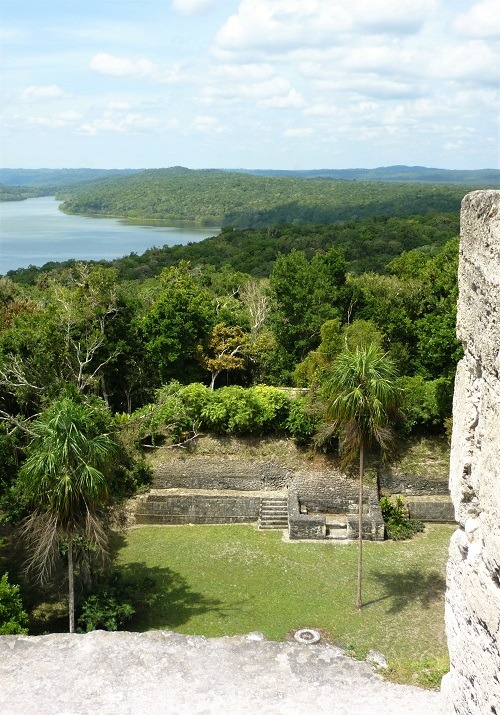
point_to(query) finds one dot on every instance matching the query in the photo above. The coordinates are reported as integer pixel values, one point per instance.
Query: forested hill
(55, 178)
(368, 245)
(220, 198)
(476, 177)
(20, 184)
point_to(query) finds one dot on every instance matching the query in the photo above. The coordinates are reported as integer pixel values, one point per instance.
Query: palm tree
(362, 394)
(64, 485)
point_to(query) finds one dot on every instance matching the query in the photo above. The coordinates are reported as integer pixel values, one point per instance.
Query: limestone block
(473, 573)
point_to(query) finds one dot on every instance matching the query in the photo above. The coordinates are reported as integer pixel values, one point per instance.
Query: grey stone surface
(438, 508)
(218, 473)
(172, 506)
(473, 578)
(160, 672)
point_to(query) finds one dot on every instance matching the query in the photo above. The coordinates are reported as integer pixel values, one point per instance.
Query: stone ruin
(472, 686)
(310, 503)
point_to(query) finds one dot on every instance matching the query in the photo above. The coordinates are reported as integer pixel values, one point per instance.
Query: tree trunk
(215, 375)
(71, 585)
(359, 601)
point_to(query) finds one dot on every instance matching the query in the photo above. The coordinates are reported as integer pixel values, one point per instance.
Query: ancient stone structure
(473, 584)
(311, 503)
(422, 484)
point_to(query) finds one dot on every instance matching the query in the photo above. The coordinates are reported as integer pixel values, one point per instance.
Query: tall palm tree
(362, 394)
(64, 485)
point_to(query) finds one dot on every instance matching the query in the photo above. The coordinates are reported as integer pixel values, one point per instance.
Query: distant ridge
(428, 175)
(57, 178)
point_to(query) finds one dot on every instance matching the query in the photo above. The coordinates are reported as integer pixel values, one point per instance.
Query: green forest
(219, 198)
(236, 335)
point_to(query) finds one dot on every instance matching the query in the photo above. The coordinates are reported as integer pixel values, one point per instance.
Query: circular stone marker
(307, 636)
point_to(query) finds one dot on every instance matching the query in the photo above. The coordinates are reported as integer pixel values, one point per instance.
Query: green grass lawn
(229, 580)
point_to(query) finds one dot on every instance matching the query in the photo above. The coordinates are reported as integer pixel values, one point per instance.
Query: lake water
(34, 231)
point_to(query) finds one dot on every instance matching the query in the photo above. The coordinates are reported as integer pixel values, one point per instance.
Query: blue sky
(291, 84)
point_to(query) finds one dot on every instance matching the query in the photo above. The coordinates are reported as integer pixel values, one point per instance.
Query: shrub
(302, 421)
(109, 608)
(13, 617)
(426, 403)
(398, 524)
(273, 407)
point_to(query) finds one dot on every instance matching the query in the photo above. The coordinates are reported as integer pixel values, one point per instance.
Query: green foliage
(430, 671)
(362, 398)
(182, 314)
(131, 477)
(12, 506)
(109, 608)
(305, 294)
(215, 198)
(13, 617)
(426, 403)
(303, 420)
(180, 411)
(368, 244)
(398, 524)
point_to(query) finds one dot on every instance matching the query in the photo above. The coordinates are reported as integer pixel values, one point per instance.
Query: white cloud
(271, 92)
(117, 105)
(482, 20)
(124, 68)
(113, 66)
(323, 109)
(36, 93)
(111, 123)
(206, 124)
(190, 7)
(473, 61)
(392, 16)
(251, 72)
(62, 119)
(281, 25)
(292, 100)
(298, 132)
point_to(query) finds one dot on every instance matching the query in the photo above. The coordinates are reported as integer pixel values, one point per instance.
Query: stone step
(273, 513)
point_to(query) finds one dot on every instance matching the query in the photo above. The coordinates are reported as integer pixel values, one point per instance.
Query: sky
(271, 84)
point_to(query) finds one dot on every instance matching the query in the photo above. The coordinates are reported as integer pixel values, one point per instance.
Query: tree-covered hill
(368, 245)
(19, 193)
(20, 184)
(55, 178)
(220, 198)
(476, 177)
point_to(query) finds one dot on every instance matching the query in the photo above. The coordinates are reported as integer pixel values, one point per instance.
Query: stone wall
(393, 481)
(201, 473)
(303, 526)
(326, 492)
(198, 508)
(473, 578)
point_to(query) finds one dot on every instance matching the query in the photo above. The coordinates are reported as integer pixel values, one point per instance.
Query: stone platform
(163, 673)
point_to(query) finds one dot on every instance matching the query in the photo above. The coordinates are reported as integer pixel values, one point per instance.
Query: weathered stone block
(473, 575)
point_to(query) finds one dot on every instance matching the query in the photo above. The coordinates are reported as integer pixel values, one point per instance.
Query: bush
(426, 403)
(13, 617)
(273, 407)
(235, 410)
(398, 525)
(109, 608)
(302, 422)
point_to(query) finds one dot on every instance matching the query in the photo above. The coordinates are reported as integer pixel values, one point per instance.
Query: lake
(34, 231)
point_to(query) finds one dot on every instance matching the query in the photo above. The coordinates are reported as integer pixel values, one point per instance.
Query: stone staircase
(273, 512)
(336, 526)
